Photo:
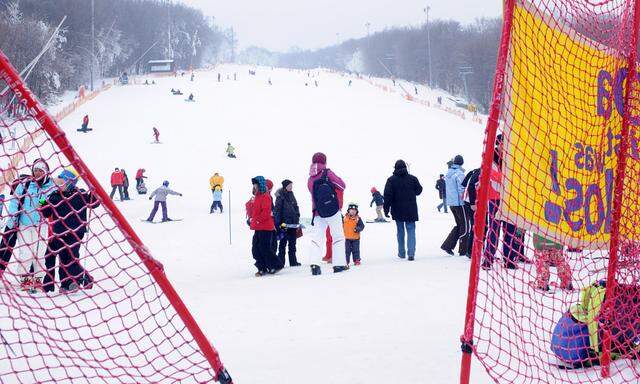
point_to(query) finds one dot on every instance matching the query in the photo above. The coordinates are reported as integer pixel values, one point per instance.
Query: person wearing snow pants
(459, 233)
(352, 247)
(157, 204)
(318, 238)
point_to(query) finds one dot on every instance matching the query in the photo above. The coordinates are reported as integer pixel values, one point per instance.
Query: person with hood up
(261, 222)
(27, 229)
(400, 195)
(326, 190)
(378, 200)
(66, 209)
(287, 215)
(161, 194)
(455, 200)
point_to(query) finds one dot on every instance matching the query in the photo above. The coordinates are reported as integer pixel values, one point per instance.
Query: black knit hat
(458, 160)
(400, 164)
(286, 182)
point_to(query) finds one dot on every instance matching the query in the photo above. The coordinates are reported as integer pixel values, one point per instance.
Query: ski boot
(315, 270)
(340, 268)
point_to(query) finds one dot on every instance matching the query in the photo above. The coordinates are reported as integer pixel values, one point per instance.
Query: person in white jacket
(161, 194)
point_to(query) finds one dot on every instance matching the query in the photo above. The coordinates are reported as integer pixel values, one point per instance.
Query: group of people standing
(46, 225)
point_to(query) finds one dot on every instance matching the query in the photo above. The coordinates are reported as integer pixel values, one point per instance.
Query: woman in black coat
(400, 199)
(287, 217)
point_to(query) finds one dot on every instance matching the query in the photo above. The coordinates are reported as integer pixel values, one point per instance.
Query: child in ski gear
(378, 200)
(454, 194)
(161, 194)
(546, 253)
(287, 214)
(400, 198)
(140, 176)
(352, 225)
(156, 134)
(26, 230)
(125, 184)
(261, 221)
(326, 190)
(117, 181)
(230, 151)
(217, 199)
(441, 186)
(216, 181)
(66, 208)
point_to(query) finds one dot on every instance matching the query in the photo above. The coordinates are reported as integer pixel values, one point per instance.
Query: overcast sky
(281, 24)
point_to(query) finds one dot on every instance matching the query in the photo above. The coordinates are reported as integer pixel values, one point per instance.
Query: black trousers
(352, 247)
(9, 237)
(113, 192)
(67, 250)
(290, 238)
(263, 253)
(470, 213)
(459, 233)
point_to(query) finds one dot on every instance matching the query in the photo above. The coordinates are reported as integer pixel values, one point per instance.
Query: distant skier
(378, 200)
(217, 200)
(85, 123)
(125, 185)
(160, 195)
(316, 81)
(117, 181)
(415, 89)
(156, 135)
(235, 76)
(219, 77)
(350, 82)
(270, 83)
(176, 92)
(191, 98)
(230, 151)
(193, 76)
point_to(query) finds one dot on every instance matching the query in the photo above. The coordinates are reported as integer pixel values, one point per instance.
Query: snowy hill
(387, 321)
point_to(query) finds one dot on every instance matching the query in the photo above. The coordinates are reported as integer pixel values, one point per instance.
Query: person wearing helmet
(66, 209)
(455, 200)
(160, 195)
(352, 225)
(26, 228)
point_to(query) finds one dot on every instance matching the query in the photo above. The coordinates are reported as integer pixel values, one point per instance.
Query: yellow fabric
(216, 180)
(349, 226)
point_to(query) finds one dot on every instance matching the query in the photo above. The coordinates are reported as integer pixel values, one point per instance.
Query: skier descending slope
(326, 198)
(161, 194)
(156, 135)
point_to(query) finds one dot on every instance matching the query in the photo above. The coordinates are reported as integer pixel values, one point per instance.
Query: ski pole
(229, 211)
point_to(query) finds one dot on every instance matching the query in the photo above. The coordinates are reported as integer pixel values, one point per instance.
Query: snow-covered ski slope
(386, 321)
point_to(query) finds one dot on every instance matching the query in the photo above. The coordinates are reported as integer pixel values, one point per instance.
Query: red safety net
(555, 283)
(81, 299)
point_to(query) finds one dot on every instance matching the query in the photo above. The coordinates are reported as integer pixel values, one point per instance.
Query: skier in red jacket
(117, 182)
(85, 124)
(261, 221)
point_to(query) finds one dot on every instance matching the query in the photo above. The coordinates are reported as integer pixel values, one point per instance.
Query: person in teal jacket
(29, 227)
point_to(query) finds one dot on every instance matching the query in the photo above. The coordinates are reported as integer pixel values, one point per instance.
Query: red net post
(82, 298)
(557, 292)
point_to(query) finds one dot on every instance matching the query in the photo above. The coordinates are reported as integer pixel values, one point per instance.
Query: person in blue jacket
(455, 201)
(27, 228)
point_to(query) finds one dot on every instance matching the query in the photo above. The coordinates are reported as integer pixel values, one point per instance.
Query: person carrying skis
(26, 231)
(161, 194)
(230, 151)
(287, 219)
(117, 181)
(352, 225)
(261, 222)
(66, 208)
(378, 200)
(326, 190)
(156, 135)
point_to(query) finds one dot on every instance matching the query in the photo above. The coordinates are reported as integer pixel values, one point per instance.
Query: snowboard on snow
(84, 130)
(190, 101)
(156, 142)
(159, 222)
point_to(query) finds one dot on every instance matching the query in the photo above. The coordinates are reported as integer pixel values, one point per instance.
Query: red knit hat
(373, 190)
(319, 158)
(269, 185)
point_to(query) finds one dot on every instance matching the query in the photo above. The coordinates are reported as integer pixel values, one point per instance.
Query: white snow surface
(386, 321)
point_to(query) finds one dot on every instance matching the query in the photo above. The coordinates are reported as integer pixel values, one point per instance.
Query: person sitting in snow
(161, 194)
(191, 98)
(230, 151)
(352, 225)
(378, 200)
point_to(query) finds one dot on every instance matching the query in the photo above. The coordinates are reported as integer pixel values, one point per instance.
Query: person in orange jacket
(352, 225)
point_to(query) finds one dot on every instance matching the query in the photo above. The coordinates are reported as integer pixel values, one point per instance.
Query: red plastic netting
(81, 300)
(558, 269)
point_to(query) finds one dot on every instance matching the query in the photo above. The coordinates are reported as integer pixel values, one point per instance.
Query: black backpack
(325, 197)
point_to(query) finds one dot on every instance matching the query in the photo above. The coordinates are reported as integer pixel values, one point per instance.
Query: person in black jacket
(469, 183)
(378, 200)
(400, 198)
(125, 186)
(67, 211)
(287, 217)
(441, 186)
